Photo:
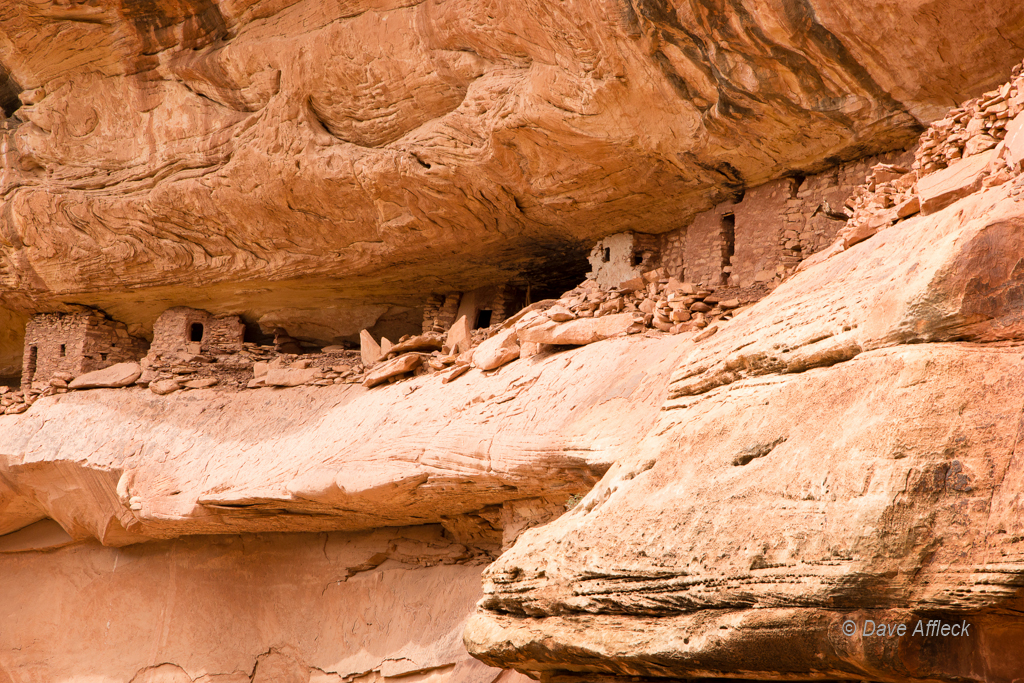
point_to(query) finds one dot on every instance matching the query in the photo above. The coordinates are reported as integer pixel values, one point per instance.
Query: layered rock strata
(413, 489)
(375, 607)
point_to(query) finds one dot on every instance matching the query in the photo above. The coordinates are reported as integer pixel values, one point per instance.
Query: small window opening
(638, 259)
(30, 364)
(728, 245)
(195, 332)
(483, 319)
(63, 350)
(795, 183)
(103, 356)
(607, 255)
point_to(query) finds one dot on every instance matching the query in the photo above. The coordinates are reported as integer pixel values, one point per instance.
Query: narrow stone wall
(442, 310)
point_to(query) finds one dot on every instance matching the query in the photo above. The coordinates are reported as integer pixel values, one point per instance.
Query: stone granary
(182, 330)
(75, 343)
(622, 256)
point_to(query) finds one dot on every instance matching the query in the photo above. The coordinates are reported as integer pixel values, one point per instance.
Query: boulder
(118, 375)
(460, 336)
(578, 332)
(393, 368)
(369, 350)
(419, 343)
(502, 348)
(940, 189)
(202, 383)
(560, 314)
(164, 386)
(290, 377)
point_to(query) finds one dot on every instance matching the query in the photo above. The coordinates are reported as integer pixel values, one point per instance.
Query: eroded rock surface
(371, 607)
(846, 450)
(212, 154)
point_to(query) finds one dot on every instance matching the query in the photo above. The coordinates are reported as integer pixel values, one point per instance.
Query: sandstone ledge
(126, 465)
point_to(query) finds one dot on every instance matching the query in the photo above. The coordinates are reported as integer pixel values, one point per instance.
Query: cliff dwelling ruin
(75, 343)
(387, 341)
(183, 330)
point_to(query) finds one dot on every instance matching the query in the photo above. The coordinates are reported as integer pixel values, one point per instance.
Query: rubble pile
(654, 302)
(17, 402)
(979, 144)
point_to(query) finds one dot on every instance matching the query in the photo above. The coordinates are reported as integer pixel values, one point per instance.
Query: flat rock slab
(578, 332)
(940, 189)
(396, 367)
(290, 377)
(119, 375)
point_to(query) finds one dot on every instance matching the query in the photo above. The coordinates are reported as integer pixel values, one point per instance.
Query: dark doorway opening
(728, 233)
(195, 332)
(483, 319)
(63, 350)
(607, 255)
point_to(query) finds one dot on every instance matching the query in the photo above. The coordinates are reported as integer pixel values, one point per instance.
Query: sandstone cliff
(650, 483)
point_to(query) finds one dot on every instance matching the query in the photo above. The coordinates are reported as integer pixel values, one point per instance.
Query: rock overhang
(246, 148)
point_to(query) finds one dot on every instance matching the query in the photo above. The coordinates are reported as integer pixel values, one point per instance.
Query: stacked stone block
(777, 225)
(440, 311)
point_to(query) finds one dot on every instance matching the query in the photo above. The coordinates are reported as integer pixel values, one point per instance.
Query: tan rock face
(214, 154)
(386, 606)
(818, 468)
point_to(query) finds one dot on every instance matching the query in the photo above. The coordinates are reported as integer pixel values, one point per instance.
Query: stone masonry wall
(172, 330)
(774, 227)
(75, 343)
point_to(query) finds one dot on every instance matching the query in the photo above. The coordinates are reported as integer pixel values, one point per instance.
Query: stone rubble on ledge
(977, 145)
